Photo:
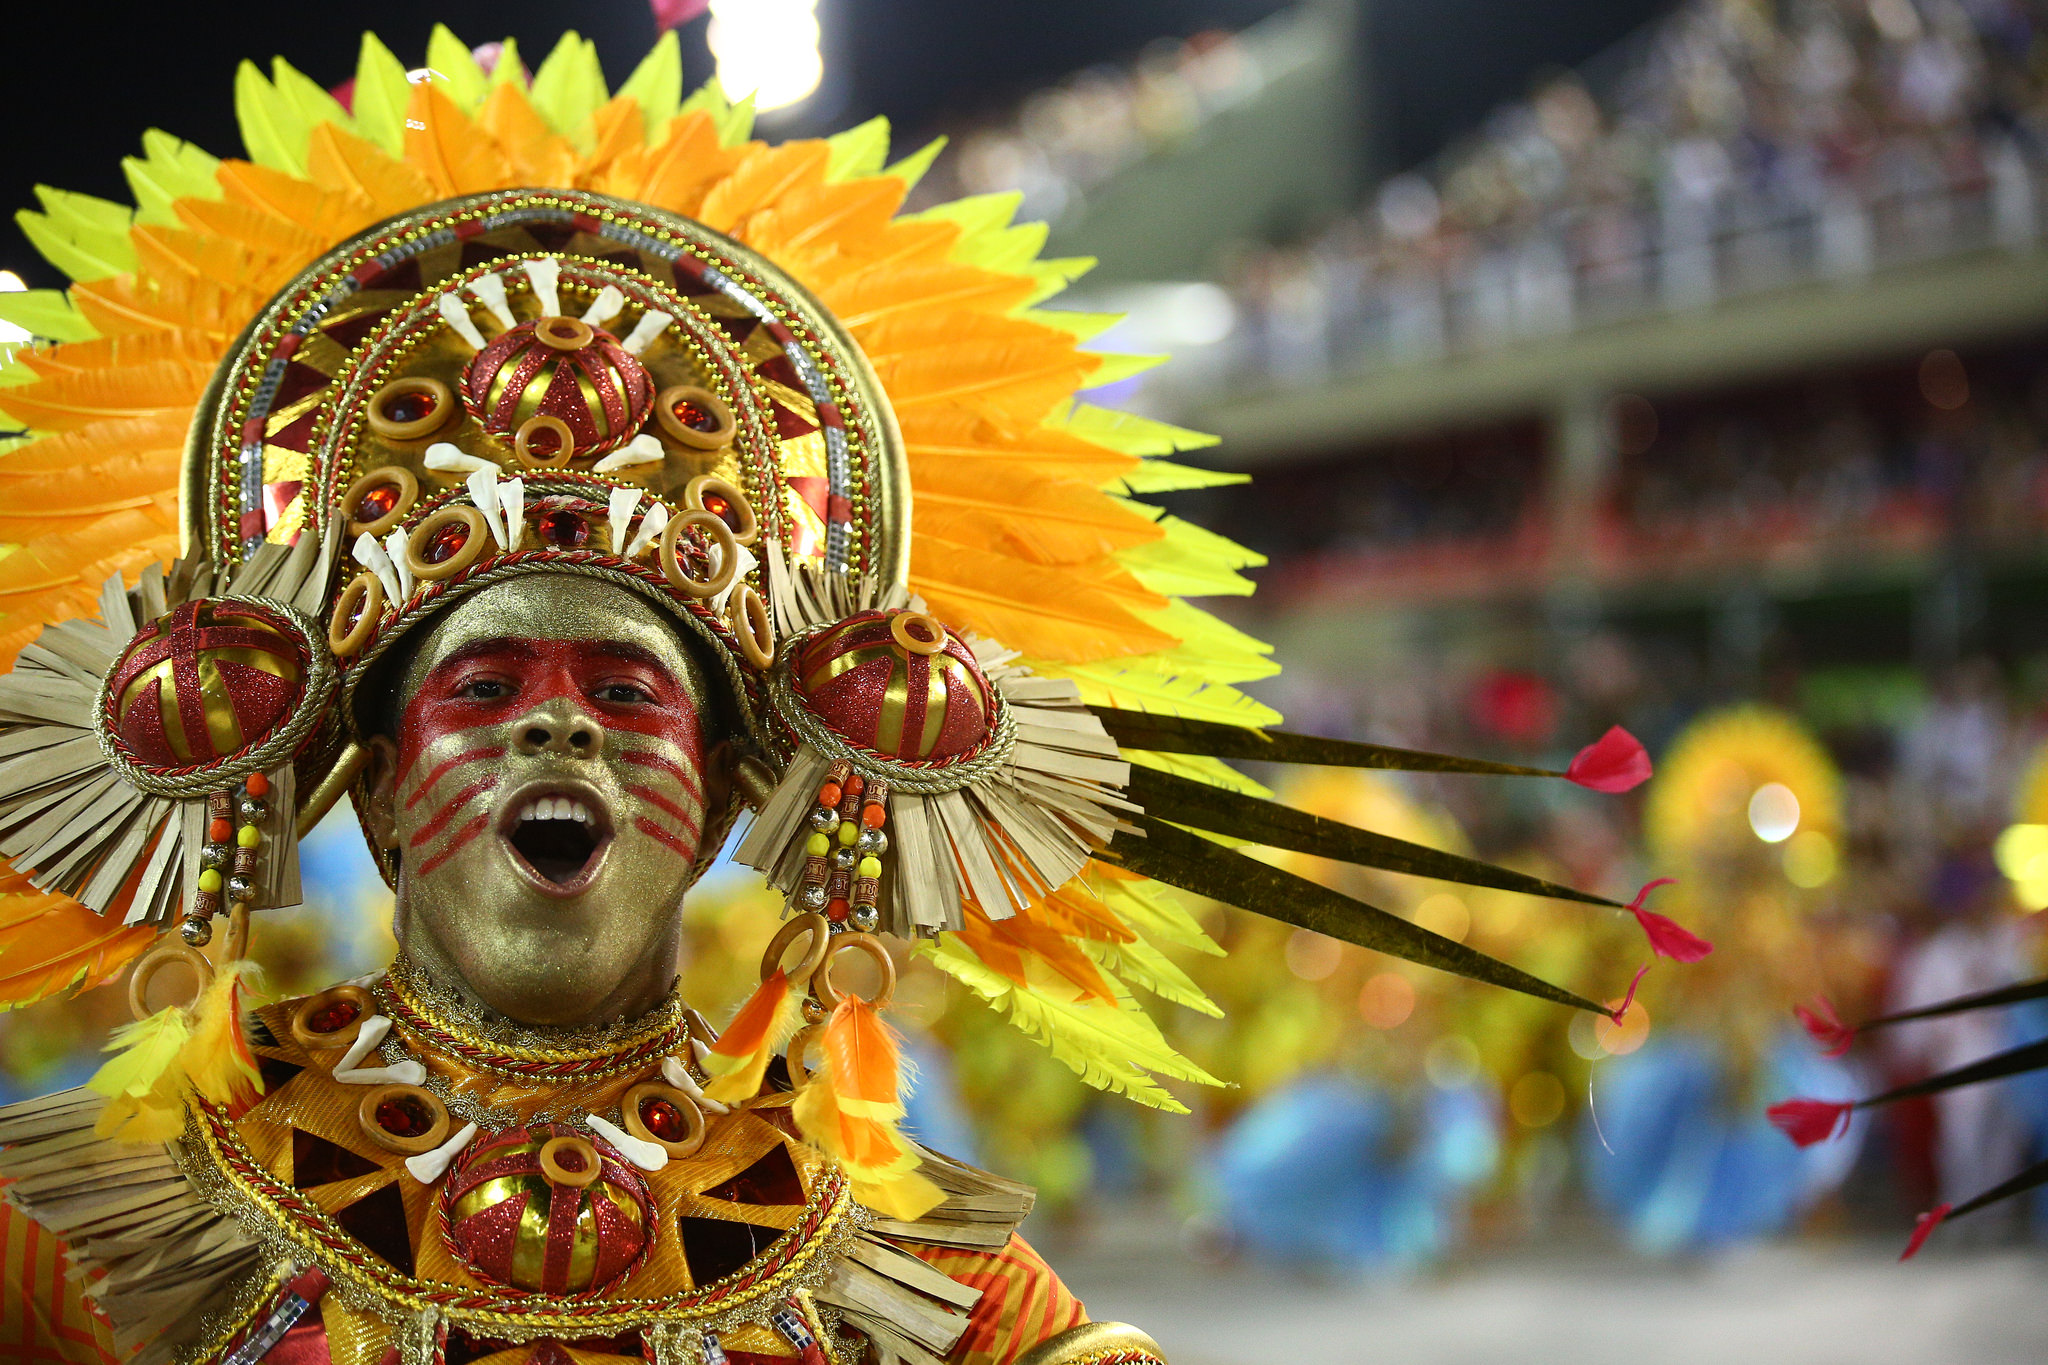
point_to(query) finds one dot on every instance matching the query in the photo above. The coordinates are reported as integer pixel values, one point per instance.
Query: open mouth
(559, 837)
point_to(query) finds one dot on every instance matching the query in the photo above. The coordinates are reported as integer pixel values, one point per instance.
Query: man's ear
(380, 774)
(719, 761)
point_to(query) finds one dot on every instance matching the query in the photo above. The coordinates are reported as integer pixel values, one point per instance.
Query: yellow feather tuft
(143, 1083)
(216, 1058)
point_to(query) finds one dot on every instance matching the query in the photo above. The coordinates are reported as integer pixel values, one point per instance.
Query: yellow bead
(248, 836)
(870, 867)
(849, 830)
(818, 845)
(209, 880)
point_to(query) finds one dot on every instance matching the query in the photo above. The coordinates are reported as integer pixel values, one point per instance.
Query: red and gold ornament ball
(565, 369)
(203, 683)
(512, 1225)
(898, 684)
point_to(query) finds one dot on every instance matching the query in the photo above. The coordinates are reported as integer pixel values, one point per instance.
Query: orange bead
(854, 783)
(257, 784)
(828, 795)
(837, 910)
(219, 832)
(872, 816)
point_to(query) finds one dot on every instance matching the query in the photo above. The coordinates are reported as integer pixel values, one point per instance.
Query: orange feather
(738, 1061)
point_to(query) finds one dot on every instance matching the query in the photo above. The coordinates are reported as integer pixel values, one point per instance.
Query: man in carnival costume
(536, 467)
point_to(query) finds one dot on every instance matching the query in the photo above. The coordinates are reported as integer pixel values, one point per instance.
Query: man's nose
(559, 726)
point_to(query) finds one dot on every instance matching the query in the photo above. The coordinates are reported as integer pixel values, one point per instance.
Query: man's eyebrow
(627, 650)
(514, 645)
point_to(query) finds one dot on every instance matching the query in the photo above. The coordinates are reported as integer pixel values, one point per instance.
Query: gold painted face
(546, 796)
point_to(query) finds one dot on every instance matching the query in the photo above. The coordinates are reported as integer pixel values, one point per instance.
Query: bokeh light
(1811, 859)
(1536, 1100)
(1773, 812)
(1312, 956)
(1385, 1001)
(2022, 855)
(767, 49)
(1618, 1040)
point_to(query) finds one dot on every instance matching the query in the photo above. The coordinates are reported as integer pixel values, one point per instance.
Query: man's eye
(485, 689)
(623, 694)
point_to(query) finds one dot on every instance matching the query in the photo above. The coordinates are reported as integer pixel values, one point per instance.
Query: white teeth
(556, 808)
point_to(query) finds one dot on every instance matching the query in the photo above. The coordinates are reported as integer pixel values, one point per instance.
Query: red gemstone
(410, 407)
(664, 1120)
(447, 542)
(564, 529)
(569, 1159)
(335, 1017)
(376, 503)
(403, 1116)
(694, 415)
(838, 909)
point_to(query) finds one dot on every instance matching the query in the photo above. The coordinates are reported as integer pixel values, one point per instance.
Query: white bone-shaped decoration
(651, 325)
(428, 1167)
(609, 302)
(676, 1074)
(512, 506)
(444, 458)
(620, 514)
(407, 1072)
(394, 546)
(371, 556)
(642, 449)
(545, 275)
(648, 1156)
(456, 313)
(483, 491)
(491, 289)
(651, 525)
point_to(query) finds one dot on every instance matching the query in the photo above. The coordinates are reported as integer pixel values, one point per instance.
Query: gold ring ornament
(408, 1119)
(355, 616)
(868, 946)
(817, 935)
(719, 539)
(531, 430)
(447, 542)
(379, 499)
(695, 417)
(709, 493)
(411, 408)
(570, 1161)
(332, 1018)
(664, 1116)
(167, 952)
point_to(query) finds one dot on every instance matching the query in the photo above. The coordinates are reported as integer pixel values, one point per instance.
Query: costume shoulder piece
(477, 328)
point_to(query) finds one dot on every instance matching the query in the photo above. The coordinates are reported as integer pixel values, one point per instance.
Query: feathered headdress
(721, 374)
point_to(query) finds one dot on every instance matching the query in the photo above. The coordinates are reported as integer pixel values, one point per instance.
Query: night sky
(82, 81)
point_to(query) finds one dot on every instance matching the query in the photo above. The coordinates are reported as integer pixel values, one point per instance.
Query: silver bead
(812, 898)
(865, 918)
(196, 931)
(216, 856)
(241, 888)
(824, 819)
(844, 859)
(253, 809)
(872, 841)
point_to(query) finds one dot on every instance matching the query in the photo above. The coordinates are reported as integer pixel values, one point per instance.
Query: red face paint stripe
(654, 831)
(451, 810)
(442, 769)
(691, 821)
(462, 836)
(647, 758)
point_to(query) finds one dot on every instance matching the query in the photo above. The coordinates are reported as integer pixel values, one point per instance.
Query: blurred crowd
(1065, 140)
(1738, 145)
(1946, 456)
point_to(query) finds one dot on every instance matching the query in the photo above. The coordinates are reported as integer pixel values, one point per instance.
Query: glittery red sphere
(664, 1120)
(335, 1017)
(203, 683)
(872, 691)
(600, 390)
(511, 1226)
